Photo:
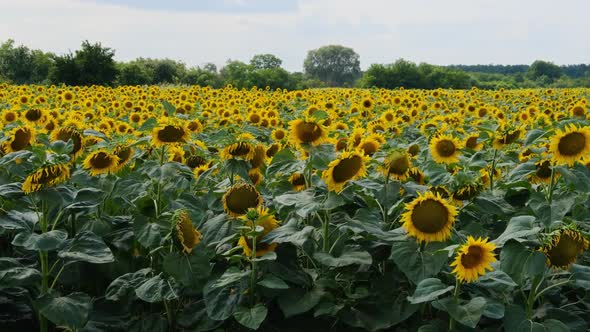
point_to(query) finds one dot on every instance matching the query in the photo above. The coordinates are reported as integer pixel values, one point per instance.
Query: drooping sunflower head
(259, 217)
(473, 259)
(19, 139)
(307, 131)
(258, 157)
(445, 149)
(297, 180)
(241, 149)
(44, 177)
(467, 191)
(369, 146)
(349, 166)
(472, 143)
(429, 218)
(255, 176)
(124, 153)
(35, 116)
(398, 164)
(543, 172)
(186, 236)
(69, 133)
(570, 145)
(101, 162)
(507, 136)
(239, 198)
(176, 153)
(169, 132)
(564, 246)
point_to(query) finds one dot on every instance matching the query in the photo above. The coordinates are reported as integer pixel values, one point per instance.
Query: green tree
(21, 65)
(134, 73)
(96, 64)
(265, 61)
(203, 77)
(65, 70)
(334, 64)
(236, 73)
(541, 68)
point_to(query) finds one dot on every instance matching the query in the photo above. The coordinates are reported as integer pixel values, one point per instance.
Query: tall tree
(334, 64)
(265, 61)
(96, 64)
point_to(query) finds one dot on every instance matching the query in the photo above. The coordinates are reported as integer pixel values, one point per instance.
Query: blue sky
(380, 31)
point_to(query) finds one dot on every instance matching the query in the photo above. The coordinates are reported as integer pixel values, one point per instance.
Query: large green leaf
(188, 269)
(417, 265)
(221, 302)
(429, 289)
(251, 317)
(45, 242)
(126, 284)
(158, 289)
(468, 314)
(290, 233)
(87, 247)
(520, 262)
(194, 318)
(19, 276)
(518, 227)
(296, 301)
(345, 259)
(70, 311)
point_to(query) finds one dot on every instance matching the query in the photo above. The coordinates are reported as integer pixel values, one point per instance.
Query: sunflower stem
(169, 315)
(310, 168)
(385, 207)
(253, 262)
(43, 257)
(326, 229)
(455, 296)
(491, 171)
(551, 184)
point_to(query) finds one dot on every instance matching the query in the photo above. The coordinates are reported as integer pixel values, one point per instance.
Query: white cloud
(442, 32)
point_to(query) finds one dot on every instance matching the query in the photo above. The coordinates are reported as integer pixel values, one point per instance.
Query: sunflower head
(473, 259)
(186, 236)
(239, 198)
(19, 139)
(398, 164)
(258, 157)
(169, 132)
(350, 166)
(101, 162)
(570, 145)
(445, 149)
(44, 177)
(564, 246)
(69, 133)
(297, 180)
(429, 218)
(258, 217)
(307, 131)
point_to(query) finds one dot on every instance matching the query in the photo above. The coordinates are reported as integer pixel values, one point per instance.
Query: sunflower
(176, 153)
(46, 176)
(255, 176)
(297, 180)
(307, 132)
(100, 162)
(258, 157)
(261, 218)
(193, 161)
(416, 175)
(507, 137)
(239, 149)
(19, 139)
(9, 116)
(429, 218)
(167, 133)
(570, 145)
(472, 143)
(199, 170)
(278, 134)
(564, 246)
(273, 149)
(445, 149)
(473, 259)
(124, 153)
(239, 198)
(369, 146)
(398, 164)
(350, 166)
(69, 133)
(185, 234)
(35, 116)
(543, 172)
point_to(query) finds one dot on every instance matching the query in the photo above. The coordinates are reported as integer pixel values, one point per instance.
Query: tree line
(331, 65)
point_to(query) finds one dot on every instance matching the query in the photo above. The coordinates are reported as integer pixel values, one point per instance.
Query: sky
(440, 32)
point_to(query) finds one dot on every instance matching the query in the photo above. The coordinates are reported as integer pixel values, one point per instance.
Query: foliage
(334, 64)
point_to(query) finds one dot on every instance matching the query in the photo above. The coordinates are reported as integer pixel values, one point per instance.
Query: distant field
(190, 209)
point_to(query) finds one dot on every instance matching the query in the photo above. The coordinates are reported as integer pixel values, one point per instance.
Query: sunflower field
(169, 208)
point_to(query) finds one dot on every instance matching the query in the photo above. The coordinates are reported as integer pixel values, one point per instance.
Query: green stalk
(169, 315)
(455, 296)
(326, 231)
(492, 170)
(532, 297)
(253, 262)
(552, 184)
(310, 168)
(159, 185)
(385, 207)
(43, 257)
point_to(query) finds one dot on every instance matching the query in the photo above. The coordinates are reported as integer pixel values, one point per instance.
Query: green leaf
(272, 282)
(289, 233)
(520, 263)
(415, 264)
(231, 276)
(493, 205)
(296, 301)
(304, 202)
(157, 289)
(146, 126)
(581, 275)
(284, 162)
(513, 317)
(221, 302)
(577, 177)
(251, 317)
(188, 269)
(497, 280)
(126, 284)
(347, 258)
(46, 242)
(494, 309)
(574, 322)
(518, 227)
(468, 314)
(19, 276)
(169, 108)
(148, 234)
(373, 317)
(87, 247)
(70, 311)
(194, 318)
(429, 289)
(533, 135)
